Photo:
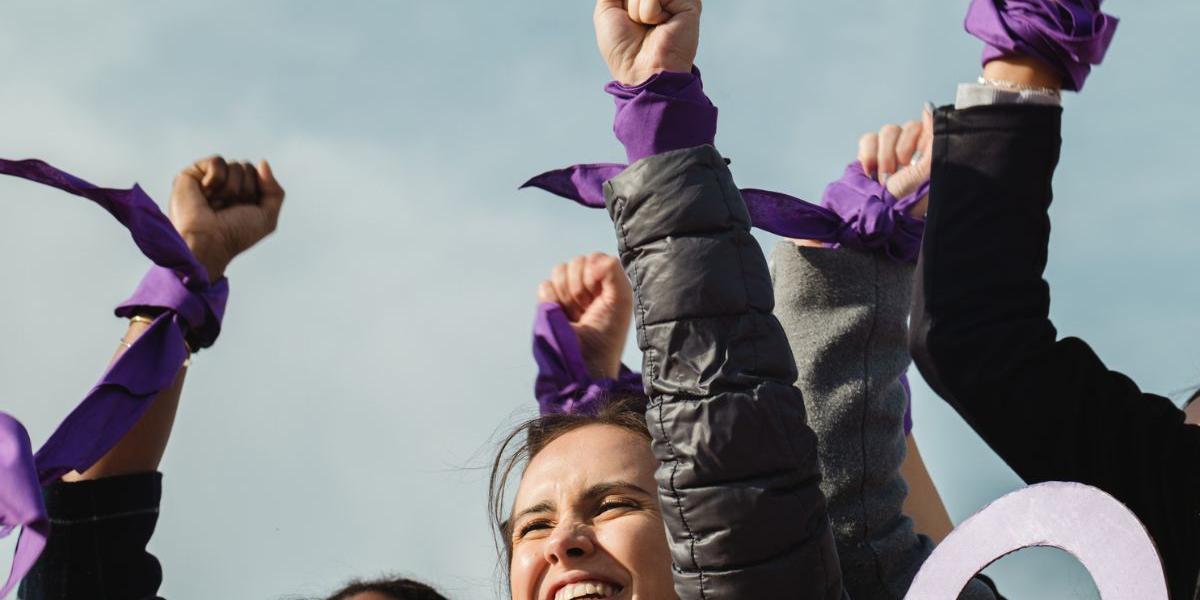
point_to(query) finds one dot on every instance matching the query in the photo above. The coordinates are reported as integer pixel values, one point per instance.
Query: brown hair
(531, 437)
(397, 588)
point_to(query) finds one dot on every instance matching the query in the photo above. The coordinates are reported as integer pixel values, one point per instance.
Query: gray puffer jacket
(738, 474)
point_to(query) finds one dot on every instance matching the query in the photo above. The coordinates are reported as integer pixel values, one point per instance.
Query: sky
(377, 346)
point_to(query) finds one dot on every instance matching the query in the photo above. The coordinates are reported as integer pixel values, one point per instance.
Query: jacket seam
(653, 370)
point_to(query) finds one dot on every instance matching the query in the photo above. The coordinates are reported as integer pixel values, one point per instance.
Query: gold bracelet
(141, 319)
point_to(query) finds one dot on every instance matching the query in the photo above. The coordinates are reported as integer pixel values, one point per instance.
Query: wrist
(636, 78)
(213, 262)
(606, 368)
(1023, 70)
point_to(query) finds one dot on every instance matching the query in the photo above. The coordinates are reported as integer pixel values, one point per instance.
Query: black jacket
(982, 337)
(97, 546)
(738, 474)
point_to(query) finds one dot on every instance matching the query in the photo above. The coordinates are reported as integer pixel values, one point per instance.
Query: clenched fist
(641, 38)
(598, 299)
(221, 209)
(901, 158)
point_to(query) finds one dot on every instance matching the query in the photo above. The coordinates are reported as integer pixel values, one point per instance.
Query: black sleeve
(97, 546)
(982, 336)
(738, 473)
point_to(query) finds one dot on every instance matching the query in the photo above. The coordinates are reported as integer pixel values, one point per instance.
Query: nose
(569, 542)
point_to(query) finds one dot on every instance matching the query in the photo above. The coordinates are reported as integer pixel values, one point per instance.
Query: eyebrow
(600, 489)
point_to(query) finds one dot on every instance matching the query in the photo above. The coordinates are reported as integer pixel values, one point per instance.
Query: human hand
(901, 158)
(641, 38)
(597, 298)
(221, 209)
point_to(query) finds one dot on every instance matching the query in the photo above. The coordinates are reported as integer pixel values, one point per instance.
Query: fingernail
(930, 108)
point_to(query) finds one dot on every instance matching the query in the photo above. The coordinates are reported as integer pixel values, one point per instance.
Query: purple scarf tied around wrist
(1069, 35)
(670, 111)
(563, 384)
(189, 307)
(856, 211)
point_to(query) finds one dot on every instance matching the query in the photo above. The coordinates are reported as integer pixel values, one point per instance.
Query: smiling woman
(586, 521)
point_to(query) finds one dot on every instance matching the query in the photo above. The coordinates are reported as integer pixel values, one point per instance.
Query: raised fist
(222, 209)
(598, 299)
(900, 157)
(641, 38)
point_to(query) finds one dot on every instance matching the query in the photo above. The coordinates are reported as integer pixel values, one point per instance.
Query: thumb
(187, 195)
(272, 193)
(647, 12)
(911, 177)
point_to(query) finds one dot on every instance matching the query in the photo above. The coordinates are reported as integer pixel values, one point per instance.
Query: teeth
(585, 589)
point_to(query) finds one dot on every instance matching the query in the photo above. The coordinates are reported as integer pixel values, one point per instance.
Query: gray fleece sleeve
(845, 314)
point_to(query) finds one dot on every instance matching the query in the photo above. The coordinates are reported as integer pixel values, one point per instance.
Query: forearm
(738, 476)
(141, 450)
(923, 503)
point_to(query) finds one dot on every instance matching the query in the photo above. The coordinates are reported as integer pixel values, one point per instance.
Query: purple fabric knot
(190, 306)
(199, 312)
(563, 384)
(856, 210)
(875, 219)
(1069, 35)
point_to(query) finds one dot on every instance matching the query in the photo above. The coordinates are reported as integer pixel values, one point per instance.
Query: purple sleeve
(668, 112)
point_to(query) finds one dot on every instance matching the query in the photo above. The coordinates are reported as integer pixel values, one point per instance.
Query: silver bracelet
(1020, 87)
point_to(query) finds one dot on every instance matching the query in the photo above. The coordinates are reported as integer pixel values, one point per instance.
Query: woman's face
(587, 523)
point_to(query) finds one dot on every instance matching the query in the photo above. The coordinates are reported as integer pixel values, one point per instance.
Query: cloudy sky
(377, 344)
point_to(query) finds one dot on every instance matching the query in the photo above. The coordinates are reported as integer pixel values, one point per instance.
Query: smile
(586, 590)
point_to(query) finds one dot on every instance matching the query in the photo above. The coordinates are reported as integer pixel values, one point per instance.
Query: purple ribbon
(1069, 35)
(191, 309)
(563, 384)
(21, 503)
(908, 420)
(856, 211)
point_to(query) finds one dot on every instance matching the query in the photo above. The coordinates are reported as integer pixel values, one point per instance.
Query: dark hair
(529, 438)
(1195, 397)
(396, 588)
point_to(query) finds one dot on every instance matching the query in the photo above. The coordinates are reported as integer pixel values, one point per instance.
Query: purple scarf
(1069, 35)
(670, 111)
(563, 385)
(190, 308)
(855, 212)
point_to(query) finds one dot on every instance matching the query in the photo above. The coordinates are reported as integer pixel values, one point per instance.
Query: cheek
(639, 543)
(528, 568)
